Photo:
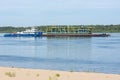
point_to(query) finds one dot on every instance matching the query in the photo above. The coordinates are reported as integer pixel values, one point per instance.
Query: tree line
(95, 28)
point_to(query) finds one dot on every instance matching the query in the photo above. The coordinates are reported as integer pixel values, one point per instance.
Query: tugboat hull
(38, 34)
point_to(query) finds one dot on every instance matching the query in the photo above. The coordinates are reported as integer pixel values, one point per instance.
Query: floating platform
(75, 35)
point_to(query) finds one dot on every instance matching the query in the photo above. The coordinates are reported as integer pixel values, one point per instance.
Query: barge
(76, 35)
(72, 32)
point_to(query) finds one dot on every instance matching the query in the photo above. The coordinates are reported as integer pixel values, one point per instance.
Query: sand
(36, 74)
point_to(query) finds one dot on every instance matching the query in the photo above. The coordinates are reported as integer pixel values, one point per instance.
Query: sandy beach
(37, 74)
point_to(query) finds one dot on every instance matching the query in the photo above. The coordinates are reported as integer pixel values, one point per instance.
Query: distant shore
(36, 74)
(95, 28)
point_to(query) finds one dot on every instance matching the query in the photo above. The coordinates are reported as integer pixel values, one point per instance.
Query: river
(84, 54)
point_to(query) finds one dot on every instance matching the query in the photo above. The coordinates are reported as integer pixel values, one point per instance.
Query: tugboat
(27, 33)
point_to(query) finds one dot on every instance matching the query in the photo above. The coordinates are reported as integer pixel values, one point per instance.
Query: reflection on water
(52, 48)
(100, 54)
(69, 48)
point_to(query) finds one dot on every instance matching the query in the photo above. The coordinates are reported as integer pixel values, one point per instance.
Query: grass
(57, 75)
(50, 78)
(10, 74)
(71, 70)
(37, 75)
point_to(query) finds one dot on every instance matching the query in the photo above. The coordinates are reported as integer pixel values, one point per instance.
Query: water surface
(94, 54)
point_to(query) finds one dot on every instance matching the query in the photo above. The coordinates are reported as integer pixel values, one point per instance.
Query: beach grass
(37, 75)
(10, 74)
(57, 75)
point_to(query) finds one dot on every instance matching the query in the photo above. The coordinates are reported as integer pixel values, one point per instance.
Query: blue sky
(58, 12)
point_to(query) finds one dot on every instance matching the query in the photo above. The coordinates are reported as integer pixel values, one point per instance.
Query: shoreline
(10, 73)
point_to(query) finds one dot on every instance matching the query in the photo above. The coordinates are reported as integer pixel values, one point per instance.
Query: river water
(86, 54)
